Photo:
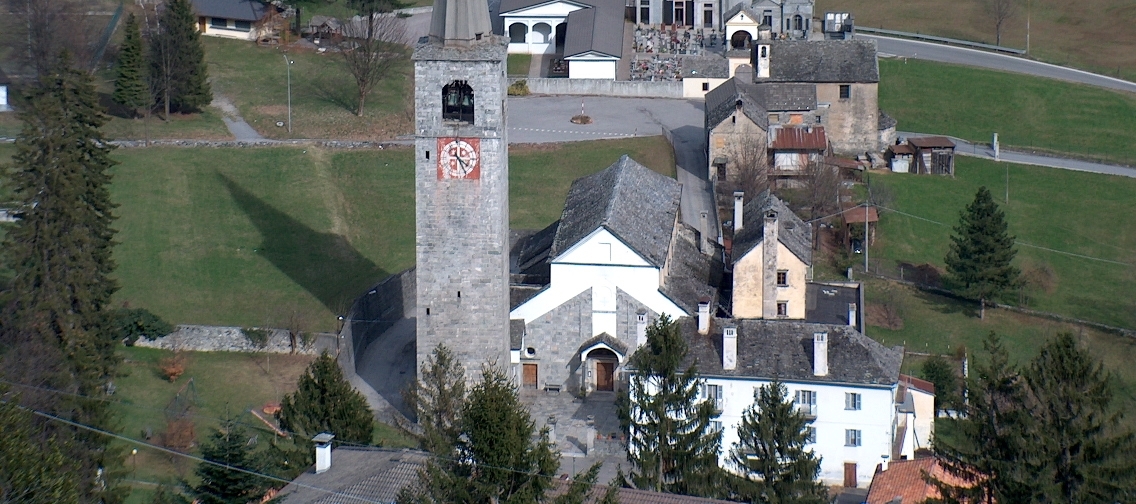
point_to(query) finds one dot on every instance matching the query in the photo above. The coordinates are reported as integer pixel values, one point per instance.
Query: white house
(587, 33)
(842, 381)
(235, 19)
(4, 82)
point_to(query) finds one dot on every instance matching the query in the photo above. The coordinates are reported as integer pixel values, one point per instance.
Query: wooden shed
(933, 155)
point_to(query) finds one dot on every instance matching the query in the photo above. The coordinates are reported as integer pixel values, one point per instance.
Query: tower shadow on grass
(324, 264)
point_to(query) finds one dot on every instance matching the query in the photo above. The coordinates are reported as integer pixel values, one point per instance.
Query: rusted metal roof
(932, 142)
(901, 149)
(798, 138)
(855, 215)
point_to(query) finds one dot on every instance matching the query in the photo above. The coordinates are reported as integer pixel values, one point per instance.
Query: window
(805, 402)
(244, 25)
(705, 86)
(851, 401)
(218, 23)
(713, 393)
(767, 18)
(798, 22)
(774, 118)
(782, 308)
(818, 119)
(851, 437)
(715, 426)
(645, 11)
(810, 435)
(783, 278)
(708, 16)
(845, 91)
(457, 102)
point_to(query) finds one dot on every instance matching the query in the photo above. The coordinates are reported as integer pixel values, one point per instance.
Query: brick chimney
(730, 348)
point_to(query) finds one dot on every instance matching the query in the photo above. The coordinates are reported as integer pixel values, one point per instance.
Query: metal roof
(240, 10)
(808, 138)
(598, 29)
(931, 142)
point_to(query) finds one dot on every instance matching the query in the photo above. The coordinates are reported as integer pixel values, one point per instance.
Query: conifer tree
(939, 371)
(981, 250)
(991, 450)
(437, 398)
(772, 452)
(228, 445)
(177, 61)
(1087, 455)
(324, 401)
(130, 87)
(671, 446)
(32, 469)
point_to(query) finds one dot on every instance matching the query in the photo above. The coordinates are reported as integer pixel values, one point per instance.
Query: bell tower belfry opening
(461, 187)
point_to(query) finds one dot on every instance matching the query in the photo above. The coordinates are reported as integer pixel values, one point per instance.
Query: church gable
(602, 247)
(559, 8)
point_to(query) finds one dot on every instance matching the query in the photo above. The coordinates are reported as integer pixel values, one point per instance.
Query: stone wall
(199, 338)
(605, 87)
(852, 124)
(556, 336)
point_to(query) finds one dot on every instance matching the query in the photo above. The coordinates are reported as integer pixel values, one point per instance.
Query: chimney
(730, 348)
(640, 330)
(769, 266)
(852, 314)
(884, 464)
(704, 316)
(704, 233)
(323, 451)
(820, 354)
(762, 69)
(739, 201)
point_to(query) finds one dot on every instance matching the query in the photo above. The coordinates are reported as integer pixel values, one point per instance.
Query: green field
(1092, 216)
(250, 236)
(1026, 112)
(518, 64)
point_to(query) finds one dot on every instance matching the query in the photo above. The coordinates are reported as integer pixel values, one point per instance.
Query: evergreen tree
(437, 398)
(497, 458)
(940, 372)
(33, 469)
(324, 401)
(1088, 456)
(671, 446)
(991, 450)
(221, 484)
(772, 452)
(177, 61)
(130, 87)
(981, 250)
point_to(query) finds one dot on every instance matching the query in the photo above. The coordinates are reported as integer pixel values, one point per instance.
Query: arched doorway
(544, 31)
(561, 31)
(517, 33)
(741, 39)
(602, 363)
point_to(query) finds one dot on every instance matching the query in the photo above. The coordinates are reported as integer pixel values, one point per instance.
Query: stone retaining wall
(198, 338)
(604, 87)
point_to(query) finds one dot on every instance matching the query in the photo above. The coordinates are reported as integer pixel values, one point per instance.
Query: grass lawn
(248, 236)
(1025, 111)
(518, 64)
(1094, 35)
(323, 93)
(1073, 212)
(206, 125)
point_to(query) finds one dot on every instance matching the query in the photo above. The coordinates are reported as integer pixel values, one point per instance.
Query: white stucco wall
(536, 43)
(3, 97)
(875, 420)
(230, 32)
(591, 68)
(692, 86)
(749, 273)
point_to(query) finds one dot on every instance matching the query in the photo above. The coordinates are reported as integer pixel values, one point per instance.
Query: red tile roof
(931, 142)
(915, 383)
(632, 496)
(799, 139)
(903, 479)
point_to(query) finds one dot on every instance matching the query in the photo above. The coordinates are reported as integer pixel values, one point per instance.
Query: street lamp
(288, 64)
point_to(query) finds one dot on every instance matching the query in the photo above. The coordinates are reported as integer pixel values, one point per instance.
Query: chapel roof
(822, 61)
(724, 99)
(792, 231)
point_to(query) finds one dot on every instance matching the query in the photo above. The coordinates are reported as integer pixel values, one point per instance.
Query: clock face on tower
(459, 158)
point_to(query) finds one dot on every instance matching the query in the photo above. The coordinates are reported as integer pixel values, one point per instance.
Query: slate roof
(598, 29)
(712, 66)
(739, 8)
(516, 333)
(792, 231)
(783, 349)
(822, 61)
(241, 10)
(691, 275)
(723, 100)
(786, 96)
(798, 139)
(632, 202)
(357, 475)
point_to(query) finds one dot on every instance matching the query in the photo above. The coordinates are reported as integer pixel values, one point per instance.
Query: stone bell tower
(462, 187)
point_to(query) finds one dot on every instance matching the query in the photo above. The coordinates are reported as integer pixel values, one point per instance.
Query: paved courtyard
(586, 430)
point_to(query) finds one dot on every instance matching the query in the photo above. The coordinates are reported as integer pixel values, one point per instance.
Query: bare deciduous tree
(38, 30)
(821, 191)
(373, 45)
(1001, 11)
(751, 162)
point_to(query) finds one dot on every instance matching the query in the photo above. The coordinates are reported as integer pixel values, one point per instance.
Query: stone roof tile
(823, 61)
(792, 231)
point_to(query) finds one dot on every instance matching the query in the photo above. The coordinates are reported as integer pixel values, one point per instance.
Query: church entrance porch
(605, 376)
(599, 361)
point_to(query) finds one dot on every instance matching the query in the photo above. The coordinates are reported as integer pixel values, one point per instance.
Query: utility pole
(288, 65)
(867, 202)
(1028, 4)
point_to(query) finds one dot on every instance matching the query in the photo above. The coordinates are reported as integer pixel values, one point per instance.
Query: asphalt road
(1004, 62)
(965, 148)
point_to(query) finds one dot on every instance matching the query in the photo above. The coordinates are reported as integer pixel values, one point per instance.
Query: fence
(604, 87)
(941, 40)
(105, 39)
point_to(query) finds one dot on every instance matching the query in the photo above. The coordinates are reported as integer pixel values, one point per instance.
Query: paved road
(240, 129)
(1004, 62)
(546, 119)
(984, 151)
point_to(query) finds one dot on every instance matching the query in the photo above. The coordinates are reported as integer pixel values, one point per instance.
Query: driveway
(1004, 62)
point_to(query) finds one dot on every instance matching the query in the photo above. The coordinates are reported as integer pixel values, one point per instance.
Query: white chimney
(884, 464)
(852, 314)
(762, 61)
(640, 330)
(323, 451)
(820, 354)
(704, 233)
(730, 348)
(739, 201)
(704, 316)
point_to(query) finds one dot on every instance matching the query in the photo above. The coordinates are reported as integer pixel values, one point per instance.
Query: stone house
(772, 261)
(736, 127)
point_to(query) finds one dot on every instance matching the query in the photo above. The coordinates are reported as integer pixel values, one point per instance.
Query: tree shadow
(324, 264)
(106, 101)
(948, 305)
(333, 88)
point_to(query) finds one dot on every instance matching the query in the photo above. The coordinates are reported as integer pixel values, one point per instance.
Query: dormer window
(457, 102)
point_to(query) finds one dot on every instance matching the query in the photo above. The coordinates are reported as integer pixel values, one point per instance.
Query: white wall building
(235, 19)
(588, 34)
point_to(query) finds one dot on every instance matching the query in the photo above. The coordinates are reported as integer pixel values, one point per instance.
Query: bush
(173, 367)
(258, 337)
(134, 323)
(519, 88)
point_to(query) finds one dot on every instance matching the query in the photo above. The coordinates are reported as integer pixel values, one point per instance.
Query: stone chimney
(323, 451)
(704, 316)
(852, 314)
(739, 203)
(704, 233)
(640, 330)
(820, 354)
(769, 265)
(730, 348)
